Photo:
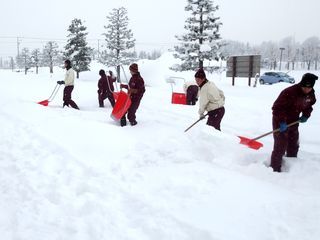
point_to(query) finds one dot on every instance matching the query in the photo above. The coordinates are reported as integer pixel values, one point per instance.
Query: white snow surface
(78, 175)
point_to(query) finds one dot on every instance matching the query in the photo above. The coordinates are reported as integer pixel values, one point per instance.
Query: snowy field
(78, 175)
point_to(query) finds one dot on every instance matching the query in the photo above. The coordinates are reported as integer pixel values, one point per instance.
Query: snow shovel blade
(44, 102)
(250, 143)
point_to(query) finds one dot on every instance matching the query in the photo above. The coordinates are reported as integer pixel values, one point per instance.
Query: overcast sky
(154, 23)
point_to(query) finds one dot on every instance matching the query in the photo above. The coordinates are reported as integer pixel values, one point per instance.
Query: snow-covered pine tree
(119, 41)
(50, 55)
(201, 42)
(77, 50)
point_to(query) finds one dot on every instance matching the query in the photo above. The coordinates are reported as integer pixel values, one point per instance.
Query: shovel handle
(54, 92)
(276, 130)
(195, 122)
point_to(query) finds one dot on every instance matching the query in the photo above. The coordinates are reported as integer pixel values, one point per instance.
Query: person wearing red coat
(105, 88)
(292, 101)
(136, 90)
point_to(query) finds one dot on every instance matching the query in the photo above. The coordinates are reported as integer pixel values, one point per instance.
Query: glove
(124, 86)
(303, 119)
(283, 127)
(60, 82)
(132, 90)
(202, 116)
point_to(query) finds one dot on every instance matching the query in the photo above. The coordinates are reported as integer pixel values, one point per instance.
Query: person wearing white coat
(69, 85)
(211, 100)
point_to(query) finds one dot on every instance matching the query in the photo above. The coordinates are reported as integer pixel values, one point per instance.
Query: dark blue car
(275, 77)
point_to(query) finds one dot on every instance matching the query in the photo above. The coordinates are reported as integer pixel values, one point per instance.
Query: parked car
(275, 77)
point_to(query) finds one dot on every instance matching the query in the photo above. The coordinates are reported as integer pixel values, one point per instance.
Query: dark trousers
(284, 143)
(192, 93)
(103, 96)
(131, 113)
(133, 109)
(215, 117)
(67, 101)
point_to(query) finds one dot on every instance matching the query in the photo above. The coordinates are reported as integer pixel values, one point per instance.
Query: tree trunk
(51, 67)
(274, 64)
(118, 74)
(308, 64)
(200, 64)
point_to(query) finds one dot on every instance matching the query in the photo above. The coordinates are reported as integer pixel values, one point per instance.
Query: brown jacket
(136, 87)
(105, 84)
(291, 102)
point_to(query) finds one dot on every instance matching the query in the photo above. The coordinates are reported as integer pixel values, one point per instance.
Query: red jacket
(291, 102)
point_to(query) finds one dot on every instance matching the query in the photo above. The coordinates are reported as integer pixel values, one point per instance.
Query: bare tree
(310, 47)
(35, 57)
(270, 52)
(50, 54)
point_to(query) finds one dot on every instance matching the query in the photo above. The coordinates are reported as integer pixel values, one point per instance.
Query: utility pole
(281, 50)
(98, 49)
(18, 47)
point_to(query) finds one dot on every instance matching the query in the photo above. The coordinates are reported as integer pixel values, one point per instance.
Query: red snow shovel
(252, 143)
(53, 94)
(122, 105)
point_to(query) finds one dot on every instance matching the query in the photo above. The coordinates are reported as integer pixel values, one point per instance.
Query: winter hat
(102, 72)
(308, 80)
(134, 67)
(200, 74)
(68, 62)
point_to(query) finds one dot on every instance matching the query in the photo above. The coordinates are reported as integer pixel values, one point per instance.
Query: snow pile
(68, 174)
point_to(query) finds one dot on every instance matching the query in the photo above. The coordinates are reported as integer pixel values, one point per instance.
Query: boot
(134, 122)
(123, 122)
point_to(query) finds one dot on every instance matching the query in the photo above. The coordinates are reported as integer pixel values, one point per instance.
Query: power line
(24, 41)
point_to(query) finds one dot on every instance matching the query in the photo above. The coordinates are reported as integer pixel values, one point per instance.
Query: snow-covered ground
(78, 175)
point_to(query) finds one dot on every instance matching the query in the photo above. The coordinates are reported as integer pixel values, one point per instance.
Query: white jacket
(211, 98)
(69, 77)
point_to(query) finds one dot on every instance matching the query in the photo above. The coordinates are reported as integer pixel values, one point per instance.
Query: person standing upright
(113, 77)
(105, 89)
(211, 100)
(69, 85)
(136, 90)
(287, 108)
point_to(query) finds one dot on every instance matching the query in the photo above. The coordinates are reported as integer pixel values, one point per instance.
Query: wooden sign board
(243, 66)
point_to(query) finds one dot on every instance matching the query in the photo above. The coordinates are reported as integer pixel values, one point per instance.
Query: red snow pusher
(52, 96)
(115, 95)
(122, 105)
(196, 122)
(177, 97)
(252, 143)
(121, 98)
